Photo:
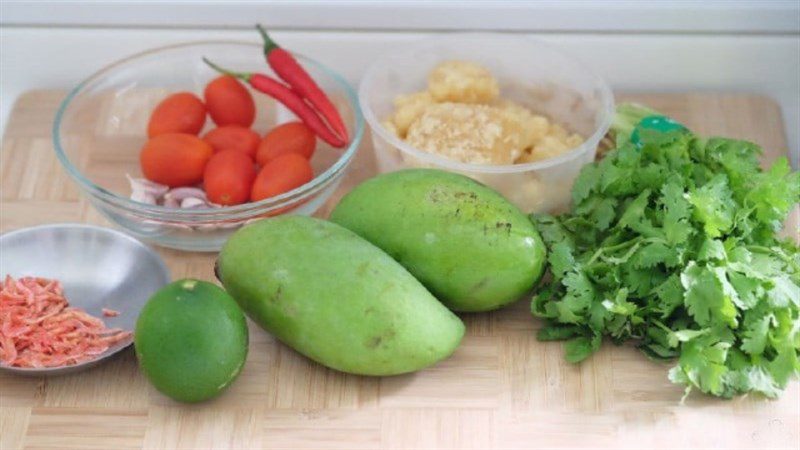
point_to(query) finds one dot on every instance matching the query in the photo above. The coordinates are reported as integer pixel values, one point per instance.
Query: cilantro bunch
(671, 243)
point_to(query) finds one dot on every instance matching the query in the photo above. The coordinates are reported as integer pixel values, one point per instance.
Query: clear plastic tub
(530, 72)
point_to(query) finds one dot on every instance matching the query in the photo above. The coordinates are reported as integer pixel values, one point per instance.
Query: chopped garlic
(463, 82)
(462, 118)
(467, 133)
(408, 108)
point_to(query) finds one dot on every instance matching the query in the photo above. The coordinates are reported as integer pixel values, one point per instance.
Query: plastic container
(530, 72)
(101, 126)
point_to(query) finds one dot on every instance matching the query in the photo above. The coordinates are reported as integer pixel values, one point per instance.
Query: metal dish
(99, 268)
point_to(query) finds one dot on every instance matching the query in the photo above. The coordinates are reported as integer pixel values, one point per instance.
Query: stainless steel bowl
(99, 268)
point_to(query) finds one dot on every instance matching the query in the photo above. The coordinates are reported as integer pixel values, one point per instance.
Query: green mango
(467, 244)
(336, 298)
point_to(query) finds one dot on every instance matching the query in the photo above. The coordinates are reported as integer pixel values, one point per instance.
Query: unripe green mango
(467, 244)
(336, 298)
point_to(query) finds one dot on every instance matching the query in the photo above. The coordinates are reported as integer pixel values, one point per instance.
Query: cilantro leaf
(634, 212)
(702, 362)
(676, 337)
(561, 259)
(580, 348)
(552, 231)
(774, 192)
(676, 213)
(783, 292)
(620, 305)
(749, 289)
(558, 333)
(585, 184)
(705, 298)
(670, 295)
(755, 334)
(713, 206)
(656, 253)
(784, 365)
(711, 249)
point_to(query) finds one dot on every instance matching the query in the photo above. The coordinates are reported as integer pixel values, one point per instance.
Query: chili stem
(240, 75)
(269, 44)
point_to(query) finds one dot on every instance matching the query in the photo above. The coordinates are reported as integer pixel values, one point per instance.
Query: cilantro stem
(771, 251)
(612, 248)
(627, 255)
(636, 243)
(661, 325)
(594, 257)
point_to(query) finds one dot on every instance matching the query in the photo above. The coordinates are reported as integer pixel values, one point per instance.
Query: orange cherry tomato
(280, 175)
(175, 159)
(233, 137)
(229, 177)
(229, 102)
(179, 113)
(291, 137)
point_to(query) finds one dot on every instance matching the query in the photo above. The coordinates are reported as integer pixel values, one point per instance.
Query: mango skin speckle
(467, 244)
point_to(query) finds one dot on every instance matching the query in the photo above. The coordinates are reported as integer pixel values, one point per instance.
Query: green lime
(191, 340)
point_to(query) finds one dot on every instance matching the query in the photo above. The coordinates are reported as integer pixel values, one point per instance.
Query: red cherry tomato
(179, 113)
(229, 177)
(175, 159)
(291, 137)
(280, 175)
(233, 137)
(229, 102)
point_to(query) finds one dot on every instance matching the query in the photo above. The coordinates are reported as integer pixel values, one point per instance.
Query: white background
(746, 46)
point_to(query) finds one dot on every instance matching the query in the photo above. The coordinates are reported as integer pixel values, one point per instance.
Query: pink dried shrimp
(39, 329)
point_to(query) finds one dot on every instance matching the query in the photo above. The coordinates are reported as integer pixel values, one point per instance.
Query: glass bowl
(531, 73)
(101, 126)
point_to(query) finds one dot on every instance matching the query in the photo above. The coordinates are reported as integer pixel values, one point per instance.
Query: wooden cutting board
(501, 389)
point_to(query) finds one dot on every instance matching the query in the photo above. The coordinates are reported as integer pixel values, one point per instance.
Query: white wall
(746, 46)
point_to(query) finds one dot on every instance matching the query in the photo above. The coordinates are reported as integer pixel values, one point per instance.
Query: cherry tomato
(229, 177)
(233, 137)
(229, 102)
(291, 137)
(179, 113)
(280, 175)
(175, 159)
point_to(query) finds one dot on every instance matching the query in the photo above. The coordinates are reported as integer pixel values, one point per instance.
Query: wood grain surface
(502, 388)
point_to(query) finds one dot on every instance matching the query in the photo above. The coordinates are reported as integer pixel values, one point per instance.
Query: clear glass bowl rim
(227, 212)
(607, 108)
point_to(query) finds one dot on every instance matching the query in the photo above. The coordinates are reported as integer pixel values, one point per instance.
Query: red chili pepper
(287, 67)
(288, 98)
